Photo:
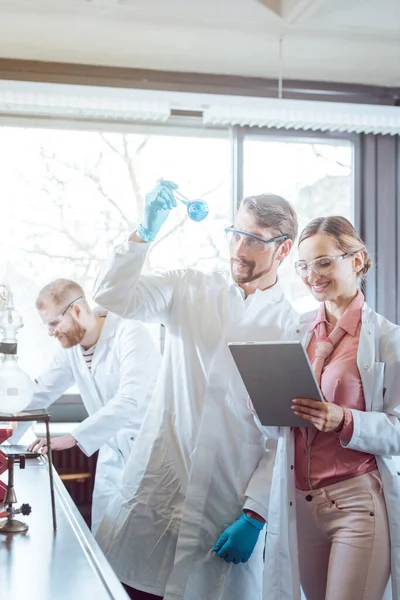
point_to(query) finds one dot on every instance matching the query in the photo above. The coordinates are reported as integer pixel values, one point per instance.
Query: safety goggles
(252, 242)
(321, 266)
(54, 323)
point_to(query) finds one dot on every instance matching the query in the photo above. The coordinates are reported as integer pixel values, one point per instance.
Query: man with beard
(195, 488)
(114, 365)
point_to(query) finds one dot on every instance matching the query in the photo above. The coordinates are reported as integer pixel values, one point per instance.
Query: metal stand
(44, 417)
(12, 525)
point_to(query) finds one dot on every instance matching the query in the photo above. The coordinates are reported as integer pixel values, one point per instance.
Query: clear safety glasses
(321, 266)
(54, 323)
(252, 242)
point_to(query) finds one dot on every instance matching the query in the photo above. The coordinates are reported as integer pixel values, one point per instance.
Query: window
(69, 197)
(315, 176)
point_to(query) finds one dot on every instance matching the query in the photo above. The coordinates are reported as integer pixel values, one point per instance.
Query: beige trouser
(344, 544)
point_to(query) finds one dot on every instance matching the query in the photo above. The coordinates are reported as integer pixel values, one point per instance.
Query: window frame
(70, 403)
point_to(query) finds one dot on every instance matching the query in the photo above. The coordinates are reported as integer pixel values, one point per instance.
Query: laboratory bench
(66, 564)
(76, 470)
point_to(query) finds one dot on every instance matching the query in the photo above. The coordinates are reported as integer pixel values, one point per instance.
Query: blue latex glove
(238, 541)
(157, 206)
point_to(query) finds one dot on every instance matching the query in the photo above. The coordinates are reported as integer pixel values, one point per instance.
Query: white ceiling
(355, 41)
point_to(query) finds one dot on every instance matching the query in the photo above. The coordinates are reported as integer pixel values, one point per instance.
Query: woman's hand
(325, 416)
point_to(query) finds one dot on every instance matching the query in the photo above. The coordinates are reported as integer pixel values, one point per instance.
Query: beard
(248, 271)
(72, 337)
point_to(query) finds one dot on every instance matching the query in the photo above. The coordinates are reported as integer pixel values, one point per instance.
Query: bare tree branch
(109, 144)
(212, 190)
(141, 146)
(97, 182)
(132, 173)
(202, 259)
(211, 242)
(86, 248)
(171, 232)
(50, 254)
(129, 163)
(320, 155)
(60, 175)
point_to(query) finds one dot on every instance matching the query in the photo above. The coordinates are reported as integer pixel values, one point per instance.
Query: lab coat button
(368, 333)
(366, 367)
(309, 498)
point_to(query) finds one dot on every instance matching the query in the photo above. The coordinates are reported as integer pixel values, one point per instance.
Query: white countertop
(43, 564)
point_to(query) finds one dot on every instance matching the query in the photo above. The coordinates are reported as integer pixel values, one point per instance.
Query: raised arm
(120, 287)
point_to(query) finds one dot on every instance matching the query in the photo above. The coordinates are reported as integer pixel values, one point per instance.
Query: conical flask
(16, 388)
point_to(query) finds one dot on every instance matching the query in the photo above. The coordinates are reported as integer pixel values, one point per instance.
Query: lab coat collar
(108, 329)
(107, 332)
(270, 295)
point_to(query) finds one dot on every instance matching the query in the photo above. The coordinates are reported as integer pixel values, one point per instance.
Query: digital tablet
(274, 373)
(18, 450)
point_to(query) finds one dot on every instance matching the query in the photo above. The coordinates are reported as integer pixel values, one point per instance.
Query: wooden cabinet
(77, 472)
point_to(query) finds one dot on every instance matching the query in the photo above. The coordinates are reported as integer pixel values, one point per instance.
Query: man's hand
(238, 541)
(325, 416)
(158, 204)
(62, 442)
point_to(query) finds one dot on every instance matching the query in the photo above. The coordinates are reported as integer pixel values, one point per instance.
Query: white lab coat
(377, 431)
(116, 393)
(198, 447)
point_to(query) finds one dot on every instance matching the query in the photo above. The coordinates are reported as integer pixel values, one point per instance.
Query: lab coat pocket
(379, 375)
(250, 457)
(272, 558)
(125, 440)
(107, 385)
(389, 467)
(391, 390)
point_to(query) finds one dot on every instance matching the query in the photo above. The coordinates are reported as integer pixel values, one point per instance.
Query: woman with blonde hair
(333, 522)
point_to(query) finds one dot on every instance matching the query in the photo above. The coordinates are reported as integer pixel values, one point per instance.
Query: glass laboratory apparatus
(197, 210)
(16, 388)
